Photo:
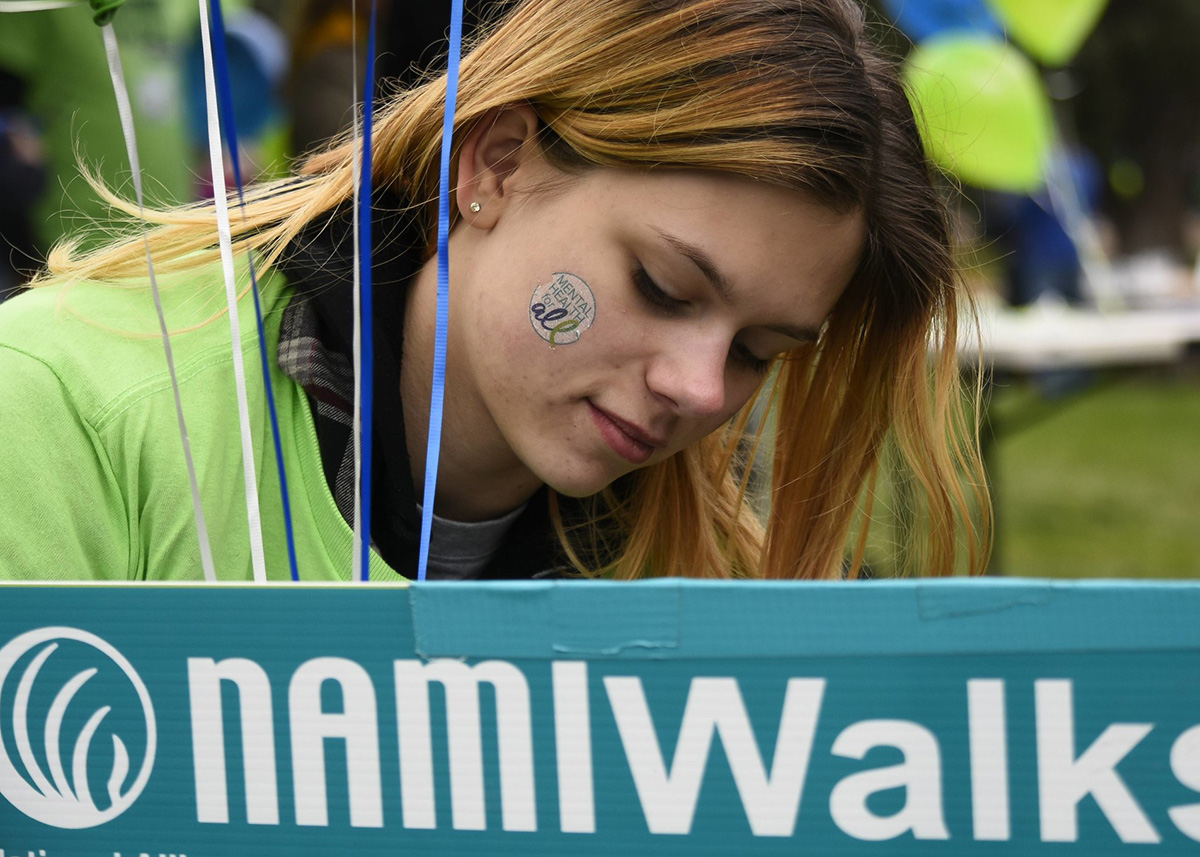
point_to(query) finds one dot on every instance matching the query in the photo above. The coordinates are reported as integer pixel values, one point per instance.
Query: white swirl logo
(40, 786)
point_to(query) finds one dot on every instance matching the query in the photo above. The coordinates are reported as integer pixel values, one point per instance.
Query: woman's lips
(626, 440)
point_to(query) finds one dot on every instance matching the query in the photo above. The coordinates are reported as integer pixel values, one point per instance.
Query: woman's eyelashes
(652, 294)
(747, 358)
(659, 300)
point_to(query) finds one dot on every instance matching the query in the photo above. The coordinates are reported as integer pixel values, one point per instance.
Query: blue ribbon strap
(225, 99)
(367, 382)
(438, 390)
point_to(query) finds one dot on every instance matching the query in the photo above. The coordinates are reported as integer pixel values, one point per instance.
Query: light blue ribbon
(438, 391)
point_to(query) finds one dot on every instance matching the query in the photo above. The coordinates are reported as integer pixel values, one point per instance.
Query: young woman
(660, 209)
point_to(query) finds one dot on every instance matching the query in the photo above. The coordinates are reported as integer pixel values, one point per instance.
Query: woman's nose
(690, 377)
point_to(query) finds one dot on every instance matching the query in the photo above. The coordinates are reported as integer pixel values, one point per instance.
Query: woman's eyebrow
(702, 261)
(724, 290)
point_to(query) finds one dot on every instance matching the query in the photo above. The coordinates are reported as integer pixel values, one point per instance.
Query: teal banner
(669, 717)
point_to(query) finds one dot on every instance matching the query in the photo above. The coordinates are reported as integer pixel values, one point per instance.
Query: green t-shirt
(93, 482)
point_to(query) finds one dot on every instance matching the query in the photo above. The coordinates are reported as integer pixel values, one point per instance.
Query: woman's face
(608, 322)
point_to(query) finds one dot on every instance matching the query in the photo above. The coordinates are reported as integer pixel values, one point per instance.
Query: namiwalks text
(667, 780)
(673, 718)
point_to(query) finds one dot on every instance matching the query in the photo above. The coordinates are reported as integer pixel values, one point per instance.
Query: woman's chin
(580, 485)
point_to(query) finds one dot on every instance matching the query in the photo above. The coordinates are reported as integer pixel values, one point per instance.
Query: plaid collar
(315, 348)
(327, 377)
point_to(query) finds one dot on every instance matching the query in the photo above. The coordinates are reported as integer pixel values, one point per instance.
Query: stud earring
(475, 207)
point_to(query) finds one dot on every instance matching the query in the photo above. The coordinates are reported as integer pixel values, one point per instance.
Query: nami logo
(53, 721)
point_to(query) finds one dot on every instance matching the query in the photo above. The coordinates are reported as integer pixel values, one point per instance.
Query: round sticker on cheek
(562, 309)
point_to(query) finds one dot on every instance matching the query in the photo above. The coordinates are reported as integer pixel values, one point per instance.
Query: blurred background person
(22, 177)
(59, 56)
(329, 44)
(259, 58)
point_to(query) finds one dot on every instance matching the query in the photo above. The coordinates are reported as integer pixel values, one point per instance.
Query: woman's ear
(497, 146)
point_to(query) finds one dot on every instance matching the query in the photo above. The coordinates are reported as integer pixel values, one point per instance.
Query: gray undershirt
(460, 551)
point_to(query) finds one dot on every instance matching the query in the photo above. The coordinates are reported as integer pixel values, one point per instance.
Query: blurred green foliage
(1105, 483)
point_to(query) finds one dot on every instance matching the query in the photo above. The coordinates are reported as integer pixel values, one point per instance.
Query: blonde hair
(788, 92)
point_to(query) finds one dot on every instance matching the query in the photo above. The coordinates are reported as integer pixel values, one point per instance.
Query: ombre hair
(787, 92)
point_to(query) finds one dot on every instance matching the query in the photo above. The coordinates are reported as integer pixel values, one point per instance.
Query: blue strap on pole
(367, 302)
(225, 98)
(438, 391)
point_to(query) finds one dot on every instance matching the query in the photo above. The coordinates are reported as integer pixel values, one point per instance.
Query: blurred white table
(1039, 339)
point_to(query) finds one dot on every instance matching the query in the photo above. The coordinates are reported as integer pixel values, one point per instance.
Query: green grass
(1103, 483)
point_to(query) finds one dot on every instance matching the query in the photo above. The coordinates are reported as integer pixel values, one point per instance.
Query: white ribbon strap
(126, 114)
(217, 165)
(34, 5)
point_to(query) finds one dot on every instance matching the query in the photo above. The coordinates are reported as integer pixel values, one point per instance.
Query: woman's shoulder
(103, 342)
